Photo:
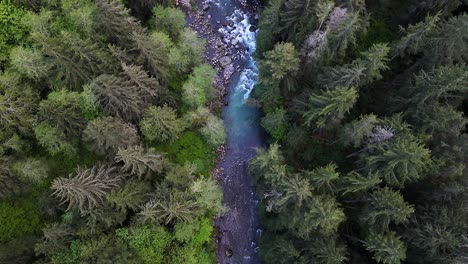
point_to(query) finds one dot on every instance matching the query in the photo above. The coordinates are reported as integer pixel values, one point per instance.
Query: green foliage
(191, 147)
(188, 52)
(329, 106)
(63, 110)
(32, 170)
(141, 162)
(356, 132)
(199, 88)
(129, 197)
(19, 217)
(384, 206)
(213, 131)
(397, 161)
(168, 20)
(105, 135)
(175, 207)
(86, 188)
(282, 60)
(30, 62)
(160, 124)
(276, 123)
(53, 140)
(387, 248)
(12, 31)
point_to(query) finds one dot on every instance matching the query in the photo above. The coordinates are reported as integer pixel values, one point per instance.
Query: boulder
(225, 61)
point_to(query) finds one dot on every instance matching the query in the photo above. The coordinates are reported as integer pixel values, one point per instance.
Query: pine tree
(324, 178)
(177, 207)
(384, 206)
(63, 110)
(160, 124)
(327, 250)
(265, 160)
(294, 191)
(56, 238)
(214, 131)
(387, 248)
(354, 182)
(86, 188)
(297, 19)
(31, 170)
(152, 55)
(115, 21)
(344, 35)
(415, 36)
(355, 132)
(329, 106)
(105, 135)
(324, 215)
(281, 61)
(398, 161)
(74, 61)
(276, 123)
(140, 161)
(130, 197)
(30, 62)
(117, 96)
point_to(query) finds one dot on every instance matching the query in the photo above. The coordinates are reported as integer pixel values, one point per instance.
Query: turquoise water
(239, 227)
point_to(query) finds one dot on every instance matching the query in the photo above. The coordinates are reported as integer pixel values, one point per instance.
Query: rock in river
(225, 61)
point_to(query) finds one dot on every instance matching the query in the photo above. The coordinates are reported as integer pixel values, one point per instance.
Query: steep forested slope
(366, 106)
(106, 138)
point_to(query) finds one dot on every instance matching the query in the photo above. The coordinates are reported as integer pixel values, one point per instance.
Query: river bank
(230, 31)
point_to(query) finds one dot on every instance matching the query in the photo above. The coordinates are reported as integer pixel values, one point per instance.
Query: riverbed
(230, 28)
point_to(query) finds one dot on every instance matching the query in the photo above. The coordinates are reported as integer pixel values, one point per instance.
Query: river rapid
(233, 25)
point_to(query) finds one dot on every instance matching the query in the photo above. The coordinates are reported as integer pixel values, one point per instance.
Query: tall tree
(140, 161)
(384, 206)
(86, 189)
(105, 135)
(160, 124)
(387, 248)
(329, 106)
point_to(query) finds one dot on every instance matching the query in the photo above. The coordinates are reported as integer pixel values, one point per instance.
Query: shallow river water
(239, 227)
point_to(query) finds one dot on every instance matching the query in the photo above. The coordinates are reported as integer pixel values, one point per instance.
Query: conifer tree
(114, 20)
(141, 162)
(105, 135)
(398, 161)
(387, 248)
(86, 189)
(384, 206)
(329, 106)
(160, 124)
(130, 197)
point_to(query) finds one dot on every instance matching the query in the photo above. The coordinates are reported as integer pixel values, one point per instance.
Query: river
(234, 24)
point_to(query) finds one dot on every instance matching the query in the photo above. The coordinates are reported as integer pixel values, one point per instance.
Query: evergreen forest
(366, 104)
(111, 125)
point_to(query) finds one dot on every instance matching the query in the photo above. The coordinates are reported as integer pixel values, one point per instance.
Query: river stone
(234, 41)
(205, 7)
(228, 252)
(225, 61)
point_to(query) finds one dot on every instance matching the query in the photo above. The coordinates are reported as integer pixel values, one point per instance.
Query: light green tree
(160, 124)
(214, 131)
(282, 60)
(198, 90)
(387, 248)
(329, 106)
